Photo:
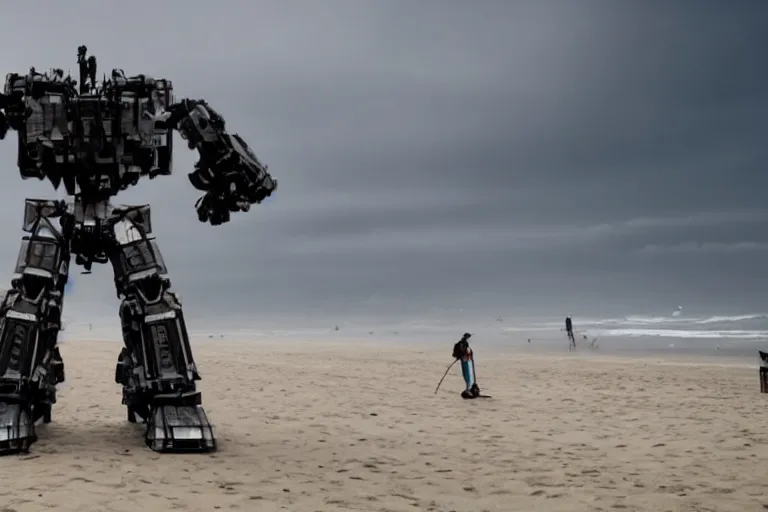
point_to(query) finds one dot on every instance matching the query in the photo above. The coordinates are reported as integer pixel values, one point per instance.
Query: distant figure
(569, 331)
(463, 353)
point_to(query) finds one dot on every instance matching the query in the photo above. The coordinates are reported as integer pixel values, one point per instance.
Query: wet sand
(323, 427)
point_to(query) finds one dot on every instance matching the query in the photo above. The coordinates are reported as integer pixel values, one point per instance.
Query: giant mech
(98, 138)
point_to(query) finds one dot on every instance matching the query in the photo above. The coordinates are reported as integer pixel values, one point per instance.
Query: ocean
(734, 335)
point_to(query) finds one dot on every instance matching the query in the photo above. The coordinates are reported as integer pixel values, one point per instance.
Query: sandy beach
(323, 427)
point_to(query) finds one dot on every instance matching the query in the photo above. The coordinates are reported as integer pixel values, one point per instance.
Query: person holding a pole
(463, 353)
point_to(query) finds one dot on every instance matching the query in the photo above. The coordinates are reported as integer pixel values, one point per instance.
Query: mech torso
(97, 140)
(100, 137)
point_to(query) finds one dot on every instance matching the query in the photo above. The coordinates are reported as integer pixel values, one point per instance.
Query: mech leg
(156, 367)
(30, 320)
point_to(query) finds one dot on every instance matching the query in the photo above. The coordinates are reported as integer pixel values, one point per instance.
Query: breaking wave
(751, 326)
(656, 320)
(679, 333)
(737, 318)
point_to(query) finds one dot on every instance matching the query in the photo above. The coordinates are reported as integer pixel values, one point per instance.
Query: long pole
(446, 373)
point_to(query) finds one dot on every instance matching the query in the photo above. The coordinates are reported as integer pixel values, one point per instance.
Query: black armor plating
(98, 138)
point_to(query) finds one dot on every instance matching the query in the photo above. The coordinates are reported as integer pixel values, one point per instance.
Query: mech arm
(228, 171)
(13, 112)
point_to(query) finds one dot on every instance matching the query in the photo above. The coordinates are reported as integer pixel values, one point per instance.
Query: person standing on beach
(569, 331)
(463, 353)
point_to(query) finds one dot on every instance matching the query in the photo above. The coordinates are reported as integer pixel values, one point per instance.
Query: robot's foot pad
(17, 430)
(179, 429)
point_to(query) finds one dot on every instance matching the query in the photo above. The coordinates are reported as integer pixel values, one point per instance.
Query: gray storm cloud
(531, 154)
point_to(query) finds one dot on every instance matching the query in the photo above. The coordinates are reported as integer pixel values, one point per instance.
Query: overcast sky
(503, 156)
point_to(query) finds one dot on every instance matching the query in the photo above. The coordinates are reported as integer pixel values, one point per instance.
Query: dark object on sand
(763, 371)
